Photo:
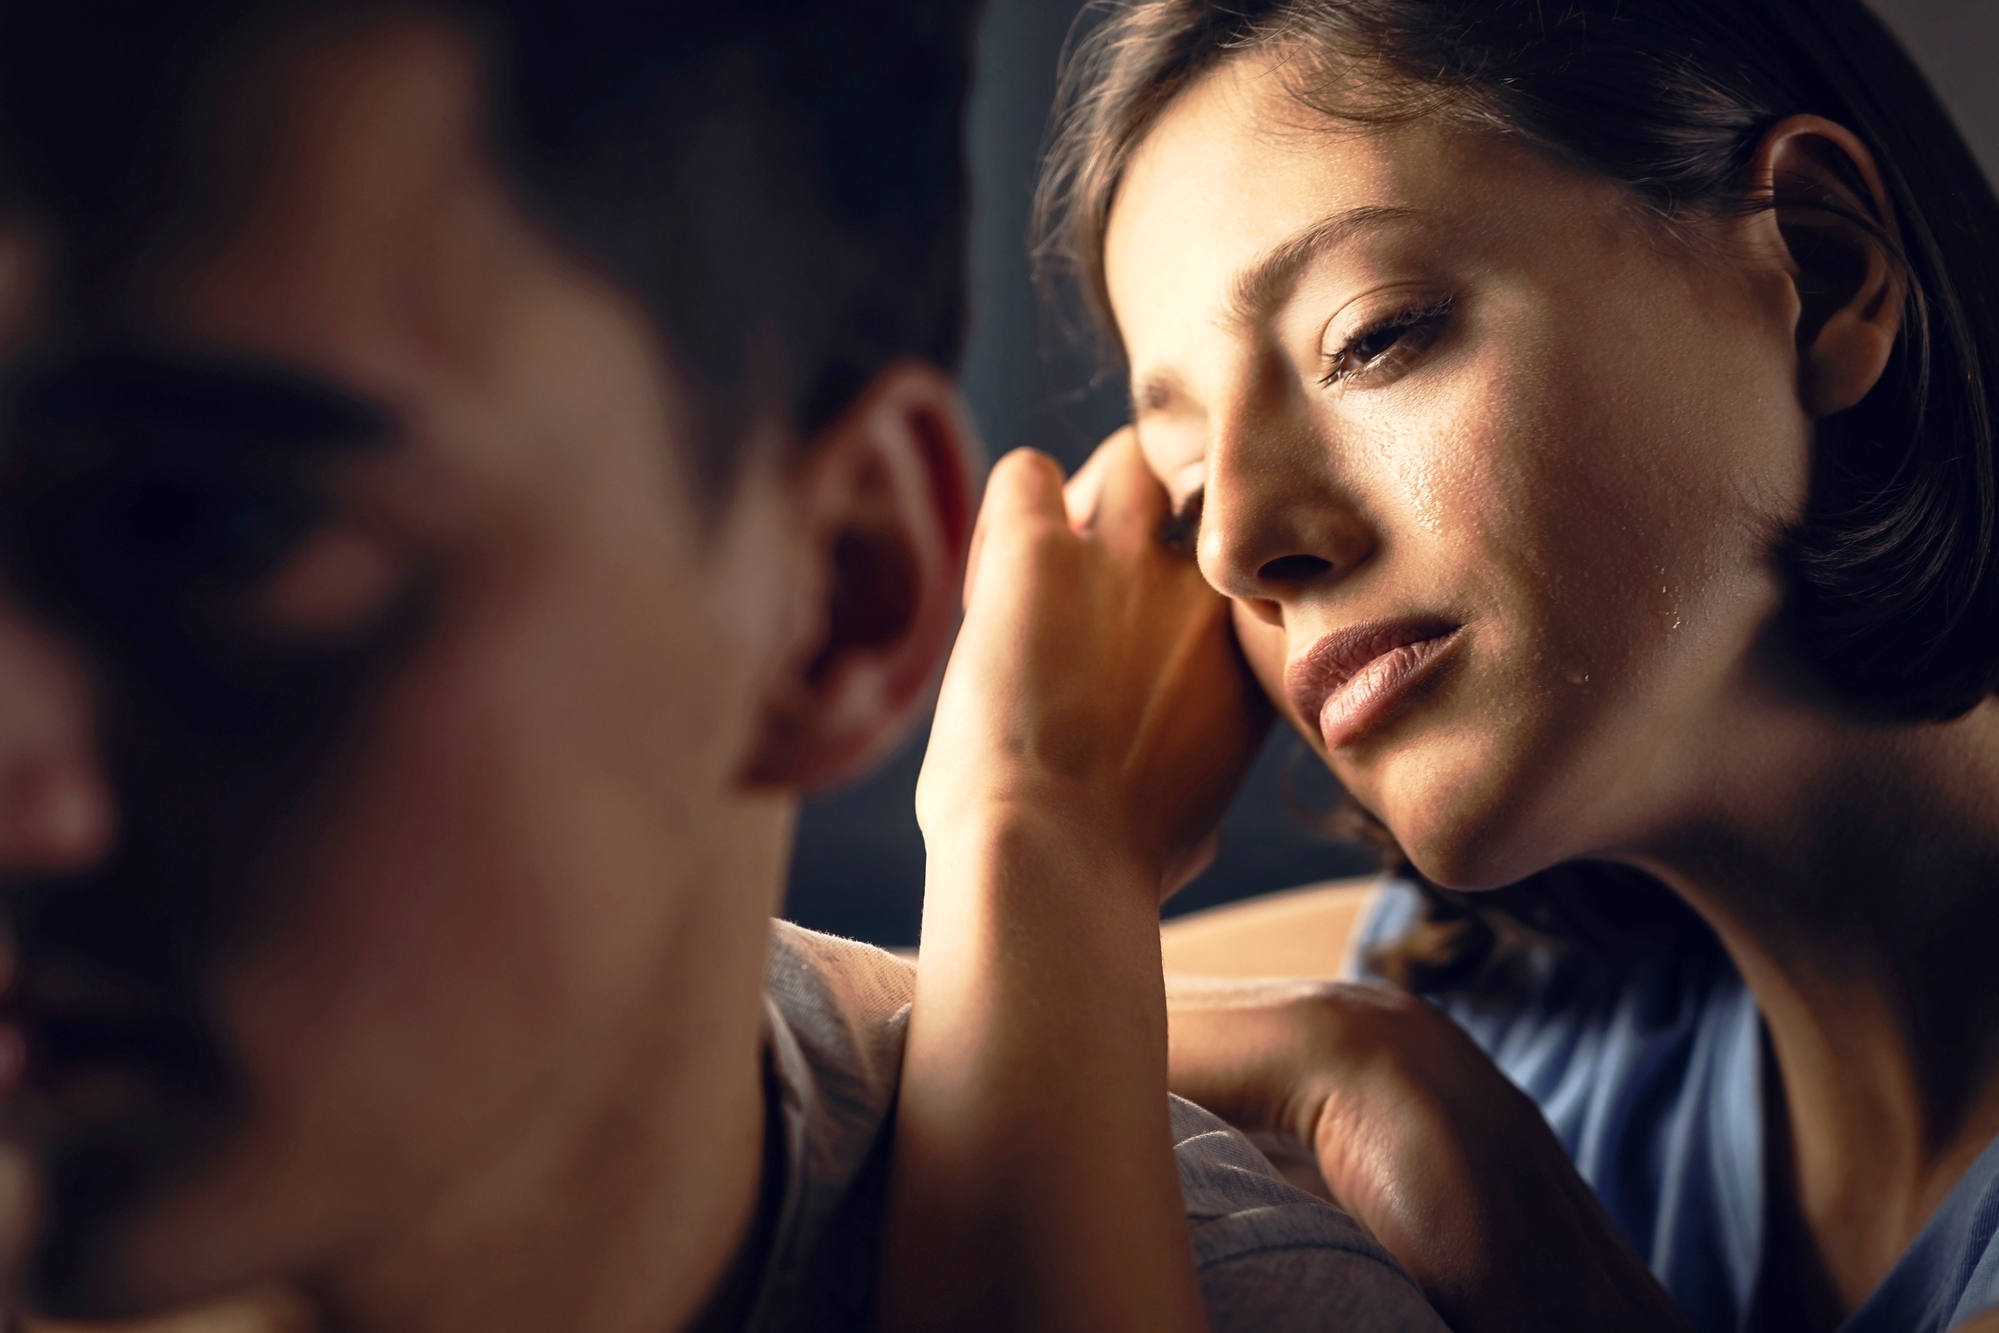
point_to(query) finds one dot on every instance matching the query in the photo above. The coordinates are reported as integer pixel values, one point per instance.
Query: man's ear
(883, 496)
(1837, 228)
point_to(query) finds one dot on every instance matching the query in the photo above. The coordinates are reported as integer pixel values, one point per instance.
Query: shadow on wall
(858, 867)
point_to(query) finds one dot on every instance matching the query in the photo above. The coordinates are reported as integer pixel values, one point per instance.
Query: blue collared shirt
(1652, 1078)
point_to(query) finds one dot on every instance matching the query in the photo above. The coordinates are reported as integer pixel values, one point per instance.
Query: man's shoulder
(861, 975)
(844, 1006)
(1272, 1257)
(836, 1012)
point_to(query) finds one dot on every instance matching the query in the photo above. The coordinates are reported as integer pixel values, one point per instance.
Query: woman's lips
(1350, 679)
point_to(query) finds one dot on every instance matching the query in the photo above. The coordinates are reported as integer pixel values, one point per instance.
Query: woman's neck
(1853, 874)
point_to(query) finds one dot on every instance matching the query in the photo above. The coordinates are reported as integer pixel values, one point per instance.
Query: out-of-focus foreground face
(374, 742)
(1491, 464)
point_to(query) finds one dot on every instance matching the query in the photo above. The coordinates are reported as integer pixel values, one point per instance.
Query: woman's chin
(1464, 825)
(1469, 861)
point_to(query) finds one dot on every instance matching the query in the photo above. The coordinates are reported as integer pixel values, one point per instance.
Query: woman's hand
(1096, 682)
(1423, 1139)
(1093, 723)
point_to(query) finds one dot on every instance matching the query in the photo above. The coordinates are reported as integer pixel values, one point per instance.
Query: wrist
(1047, 835)
(1020, 890)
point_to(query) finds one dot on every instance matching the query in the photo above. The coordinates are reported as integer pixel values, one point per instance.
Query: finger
(972, 552)
(1024, 487)
(1085, 489)
(1133, 504)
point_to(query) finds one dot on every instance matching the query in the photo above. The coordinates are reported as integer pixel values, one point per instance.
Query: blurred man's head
(473, 465)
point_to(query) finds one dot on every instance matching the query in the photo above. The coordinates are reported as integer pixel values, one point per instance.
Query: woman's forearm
(1090, 727)
(1034, 1183)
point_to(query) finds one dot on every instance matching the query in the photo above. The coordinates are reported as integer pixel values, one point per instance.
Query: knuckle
(1024, 466)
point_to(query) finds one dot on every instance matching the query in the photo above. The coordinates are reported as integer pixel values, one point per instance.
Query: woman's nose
(56, 808)
(1276, 522)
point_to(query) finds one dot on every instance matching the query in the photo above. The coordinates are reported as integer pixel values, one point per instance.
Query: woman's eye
(1383, 349)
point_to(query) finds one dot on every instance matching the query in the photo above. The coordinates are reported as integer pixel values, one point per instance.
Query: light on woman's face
(1489, 461)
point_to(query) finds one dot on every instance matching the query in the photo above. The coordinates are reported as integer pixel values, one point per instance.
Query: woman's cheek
(1263, 646)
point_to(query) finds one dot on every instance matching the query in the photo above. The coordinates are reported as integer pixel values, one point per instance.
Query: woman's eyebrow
(1265, 281)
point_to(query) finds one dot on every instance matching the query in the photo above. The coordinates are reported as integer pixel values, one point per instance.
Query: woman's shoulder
(1593, 1038)
(1525, 985)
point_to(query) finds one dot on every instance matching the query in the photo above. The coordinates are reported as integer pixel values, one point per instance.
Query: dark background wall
(858, 869)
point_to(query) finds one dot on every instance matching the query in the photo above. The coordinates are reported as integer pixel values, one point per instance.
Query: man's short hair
(779, 182)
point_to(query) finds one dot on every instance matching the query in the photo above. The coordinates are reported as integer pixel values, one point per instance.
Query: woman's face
(1490, 462)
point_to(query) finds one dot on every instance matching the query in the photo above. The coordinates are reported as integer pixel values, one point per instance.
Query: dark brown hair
(1894, 585)
(781, 183)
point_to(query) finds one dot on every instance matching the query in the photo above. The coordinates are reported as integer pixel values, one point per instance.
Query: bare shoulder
(1302, 932)
(1979, 1323)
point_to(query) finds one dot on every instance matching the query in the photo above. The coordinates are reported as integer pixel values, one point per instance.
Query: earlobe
(884, 496)
(1837, 225)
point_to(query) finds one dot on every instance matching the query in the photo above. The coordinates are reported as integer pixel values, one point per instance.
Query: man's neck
(733, 1299)
(637, 1214)
(1854, 879)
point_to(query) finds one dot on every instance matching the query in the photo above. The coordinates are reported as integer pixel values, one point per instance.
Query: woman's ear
(1837, 229)
(883, 496)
